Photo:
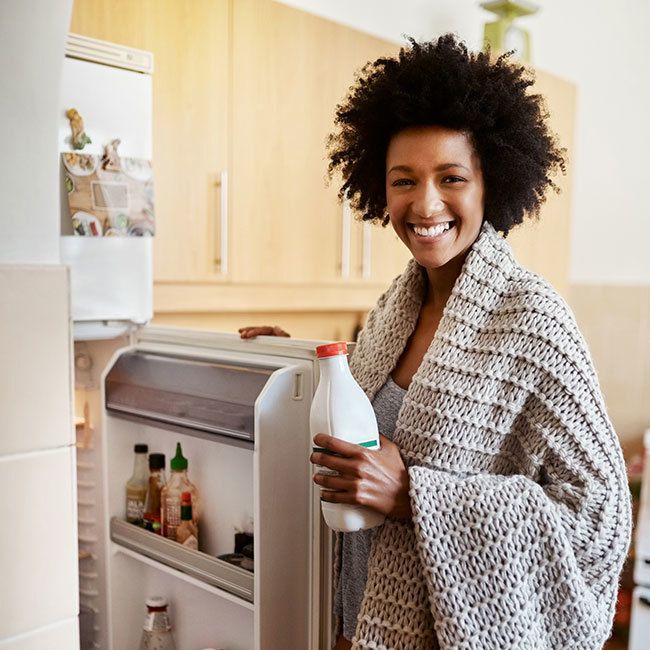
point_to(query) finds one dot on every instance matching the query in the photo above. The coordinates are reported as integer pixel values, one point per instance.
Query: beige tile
(615, 321)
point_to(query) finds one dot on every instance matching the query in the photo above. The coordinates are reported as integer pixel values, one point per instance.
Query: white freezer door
(111, 277)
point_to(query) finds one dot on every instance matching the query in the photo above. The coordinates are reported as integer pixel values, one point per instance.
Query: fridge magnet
(86, 224)
(80, 164)
(111, 159)
(109, 196)
(79, 137)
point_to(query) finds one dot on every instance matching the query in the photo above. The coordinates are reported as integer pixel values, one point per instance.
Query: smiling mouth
(432, 232)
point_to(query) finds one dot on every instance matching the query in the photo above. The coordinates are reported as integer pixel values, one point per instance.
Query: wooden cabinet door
(290, 71)
(388, 255)
(190, 41)
(544, 246)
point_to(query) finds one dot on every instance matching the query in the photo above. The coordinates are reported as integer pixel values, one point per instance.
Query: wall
(32, 36)
(39, 602)
(603, 47)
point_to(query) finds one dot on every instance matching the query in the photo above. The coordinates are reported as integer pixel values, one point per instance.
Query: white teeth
(433, 231)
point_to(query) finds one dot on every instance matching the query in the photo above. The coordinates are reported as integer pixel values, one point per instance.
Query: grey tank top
(355, 548)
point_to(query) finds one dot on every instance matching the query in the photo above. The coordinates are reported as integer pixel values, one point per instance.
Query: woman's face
(434, 192)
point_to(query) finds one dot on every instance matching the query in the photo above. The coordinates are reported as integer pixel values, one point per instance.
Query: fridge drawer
(201, 566)
(640, 623)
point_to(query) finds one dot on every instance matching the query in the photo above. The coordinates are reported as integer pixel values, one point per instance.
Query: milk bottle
(341, 409)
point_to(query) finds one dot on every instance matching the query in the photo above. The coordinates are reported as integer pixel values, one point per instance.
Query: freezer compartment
(201, 396)
(110, 277)
(201, 566)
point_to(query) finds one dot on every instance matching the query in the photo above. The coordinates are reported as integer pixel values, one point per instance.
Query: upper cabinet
(543, 246)
(290, 70)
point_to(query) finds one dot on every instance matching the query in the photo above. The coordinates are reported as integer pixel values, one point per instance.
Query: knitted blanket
(521, 508)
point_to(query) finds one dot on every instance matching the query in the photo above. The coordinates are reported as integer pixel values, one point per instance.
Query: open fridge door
(240, 410)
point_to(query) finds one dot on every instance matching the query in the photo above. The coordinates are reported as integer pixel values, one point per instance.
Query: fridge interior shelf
(204, 568)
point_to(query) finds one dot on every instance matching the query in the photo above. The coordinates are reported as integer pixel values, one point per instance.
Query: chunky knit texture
(518, 487)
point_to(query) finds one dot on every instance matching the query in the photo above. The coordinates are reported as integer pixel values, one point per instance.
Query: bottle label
(191, 542)
(172, 517)
(368, 444)
(134, 509)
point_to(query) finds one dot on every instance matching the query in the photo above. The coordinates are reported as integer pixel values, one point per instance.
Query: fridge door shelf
(200, 395)
(204, 568)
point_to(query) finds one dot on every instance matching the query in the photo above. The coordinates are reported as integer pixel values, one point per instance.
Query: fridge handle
(222, 259)
(345, 239)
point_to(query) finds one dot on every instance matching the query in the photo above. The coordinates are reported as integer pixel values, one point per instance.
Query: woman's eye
(401, 181)
(453, 179)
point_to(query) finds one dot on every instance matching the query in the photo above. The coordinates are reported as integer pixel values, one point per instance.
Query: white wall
(603, 47)
(32, 38)
(39, 601)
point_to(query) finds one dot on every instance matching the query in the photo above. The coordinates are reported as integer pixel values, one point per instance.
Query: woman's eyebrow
(440, 168)
(399, 168)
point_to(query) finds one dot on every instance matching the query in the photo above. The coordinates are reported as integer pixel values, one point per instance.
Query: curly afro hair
(440, 83)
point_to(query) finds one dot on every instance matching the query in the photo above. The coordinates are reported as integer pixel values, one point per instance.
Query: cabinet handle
(345, 239)
(222, 260)
(366, 251)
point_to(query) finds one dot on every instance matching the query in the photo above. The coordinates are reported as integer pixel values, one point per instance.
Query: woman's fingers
(337, 463)
(329, 482)
(251, 331)
(376, 479)
(337, 446)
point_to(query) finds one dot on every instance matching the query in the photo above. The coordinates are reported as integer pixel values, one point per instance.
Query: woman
(502, 480)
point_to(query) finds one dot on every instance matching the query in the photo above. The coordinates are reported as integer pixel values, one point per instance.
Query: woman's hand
(376, 479)
(261, 330)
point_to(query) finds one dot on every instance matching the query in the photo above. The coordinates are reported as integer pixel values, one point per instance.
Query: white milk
(341, 409)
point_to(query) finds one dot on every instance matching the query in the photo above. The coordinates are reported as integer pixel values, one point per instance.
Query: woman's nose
(428, 203)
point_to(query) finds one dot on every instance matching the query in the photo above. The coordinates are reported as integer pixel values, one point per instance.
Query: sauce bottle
(151, 517)
(341, 409)
(170, 496)
(187, 532)
(136, 486)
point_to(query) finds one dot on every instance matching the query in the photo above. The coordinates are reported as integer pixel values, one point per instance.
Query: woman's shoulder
(534, 309)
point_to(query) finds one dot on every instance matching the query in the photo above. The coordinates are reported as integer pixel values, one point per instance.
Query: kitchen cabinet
(290, 70)
(544, 246)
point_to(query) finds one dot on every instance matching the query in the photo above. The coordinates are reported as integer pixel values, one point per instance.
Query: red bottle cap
(331, 349)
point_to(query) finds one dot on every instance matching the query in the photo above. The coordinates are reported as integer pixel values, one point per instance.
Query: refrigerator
(240, 409)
